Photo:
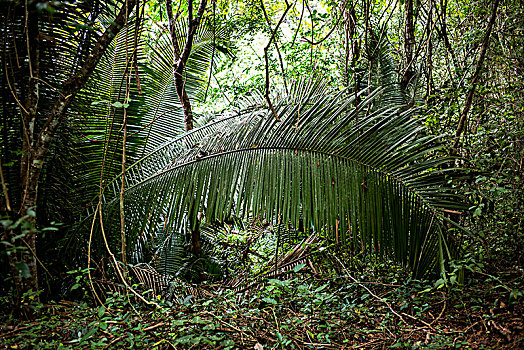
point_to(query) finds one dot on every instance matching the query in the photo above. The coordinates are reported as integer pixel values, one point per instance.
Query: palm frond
(361, 175)
(67, 31)
(109, 106)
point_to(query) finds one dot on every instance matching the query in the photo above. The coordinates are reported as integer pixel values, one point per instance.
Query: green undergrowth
(373, 306)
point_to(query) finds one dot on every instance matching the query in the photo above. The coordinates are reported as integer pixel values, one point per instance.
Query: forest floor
(308, 311)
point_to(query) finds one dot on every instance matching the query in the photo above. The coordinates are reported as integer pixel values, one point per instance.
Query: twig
(115, 340)
(230, 325)
(276, 45)
(503, 330)
(366, 344)
(153, 327)
(16, 330)
(117, 268)
(371, 293)
(418, 319)
(319, 345)
(332, 29)
(13, 91)
(469, 327)
(441, 313)
(51, 86)
(299, 23)
(213, 52)
(36, 257)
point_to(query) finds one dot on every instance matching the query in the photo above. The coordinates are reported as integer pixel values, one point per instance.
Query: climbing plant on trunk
(43, 70)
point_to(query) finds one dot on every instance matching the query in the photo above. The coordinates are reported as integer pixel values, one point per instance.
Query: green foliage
(324, 154)
(362, 170)
(290, 311)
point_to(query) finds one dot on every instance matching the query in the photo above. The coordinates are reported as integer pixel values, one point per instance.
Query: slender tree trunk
(196, 240)
(442, 16)
(179, 68)
(30, 167)
(429, 56)
(409, 44)
(36, 144)
(180, 57)
(469, 98)
(184, 99)
(351, 40)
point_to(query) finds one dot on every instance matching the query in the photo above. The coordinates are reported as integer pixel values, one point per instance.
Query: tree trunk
(29, 170)
(351, 41)
(429, 56)
(409, 43)
(180, 82)
(36, 143)
(179, 68)
(474, 80)
(180, 58)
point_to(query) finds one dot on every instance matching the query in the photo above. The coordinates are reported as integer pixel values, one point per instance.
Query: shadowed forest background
(285, 174)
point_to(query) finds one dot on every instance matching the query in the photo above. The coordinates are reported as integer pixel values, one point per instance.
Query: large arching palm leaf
(364, 176)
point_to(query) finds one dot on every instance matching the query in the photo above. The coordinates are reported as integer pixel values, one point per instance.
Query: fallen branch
(370, 292)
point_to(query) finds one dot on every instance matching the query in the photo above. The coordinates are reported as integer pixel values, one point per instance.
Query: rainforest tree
(49, 53)
(136, 124)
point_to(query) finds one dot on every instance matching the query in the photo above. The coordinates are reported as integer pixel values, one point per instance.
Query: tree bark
(443, 32)
(429, 56)
(35, 149)
(409, 43)
(266, 48)
(474, 80)
(179, 66)
(180, 58)
(29, 115)
(351, 40)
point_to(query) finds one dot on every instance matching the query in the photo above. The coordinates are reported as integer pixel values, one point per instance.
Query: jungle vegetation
(288, 174)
